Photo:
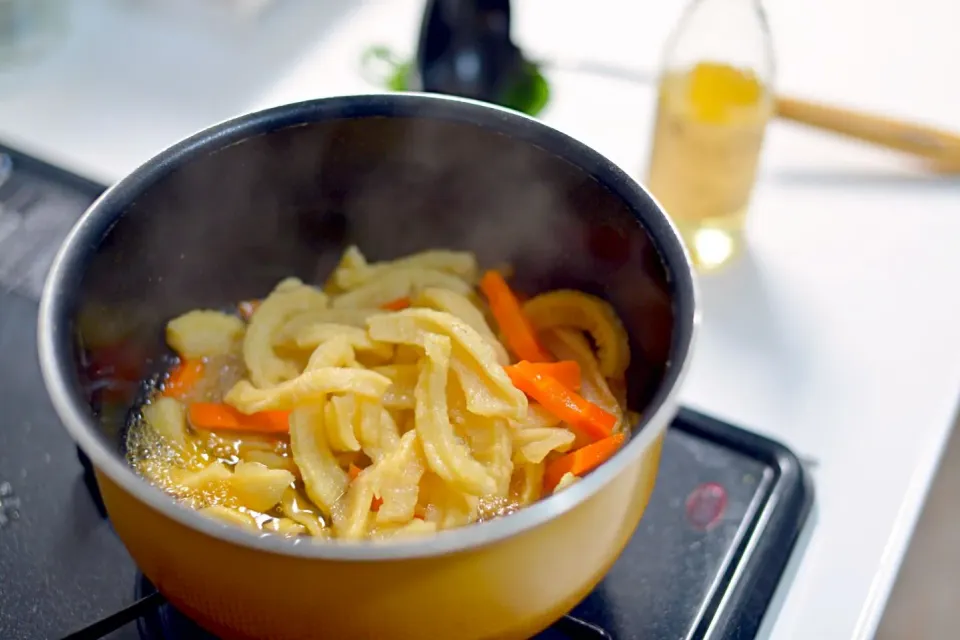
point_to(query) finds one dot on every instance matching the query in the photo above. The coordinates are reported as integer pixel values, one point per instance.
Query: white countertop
(839, 335)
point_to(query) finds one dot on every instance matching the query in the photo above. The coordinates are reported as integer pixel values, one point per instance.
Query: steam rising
(483, 193)
(228, 225)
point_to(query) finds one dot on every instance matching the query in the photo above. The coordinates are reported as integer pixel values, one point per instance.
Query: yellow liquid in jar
(706, 146)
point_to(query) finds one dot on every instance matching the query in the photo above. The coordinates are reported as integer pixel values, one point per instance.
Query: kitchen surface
(836, 334)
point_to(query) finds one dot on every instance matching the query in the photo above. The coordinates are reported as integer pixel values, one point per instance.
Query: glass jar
(715, 99)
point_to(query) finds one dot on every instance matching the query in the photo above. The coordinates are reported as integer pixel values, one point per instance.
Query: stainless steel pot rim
(53, 341)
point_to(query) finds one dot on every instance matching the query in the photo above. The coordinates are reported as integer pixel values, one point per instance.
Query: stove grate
(157, 619)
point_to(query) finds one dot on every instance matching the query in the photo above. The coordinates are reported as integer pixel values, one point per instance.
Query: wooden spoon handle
(939, 147)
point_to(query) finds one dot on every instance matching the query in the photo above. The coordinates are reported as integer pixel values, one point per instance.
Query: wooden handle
(940, 148)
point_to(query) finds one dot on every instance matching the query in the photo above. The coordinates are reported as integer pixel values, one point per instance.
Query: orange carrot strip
(565, 404)
(567, 372)
(247, 308)
(506, 310)
(582, 460)
(353, 471)
(183, 378)
(218, 416)
(396, 305)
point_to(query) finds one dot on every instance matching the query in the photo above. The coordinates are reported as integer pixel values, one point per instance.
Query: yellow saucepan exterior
(509, 589)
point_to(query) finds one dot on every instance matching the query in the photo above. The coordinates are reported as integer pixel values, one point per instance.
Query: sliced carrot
(567, 372)
(183, 378)
(353, 471)
(521, 337)
(247, 308)
(565, 404)
(218, 416)
(582, 460)
(396, 305)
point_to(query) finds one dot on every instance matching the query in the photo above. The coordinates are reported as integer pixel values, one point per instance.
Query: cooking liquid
(706, 146)
(165, 465)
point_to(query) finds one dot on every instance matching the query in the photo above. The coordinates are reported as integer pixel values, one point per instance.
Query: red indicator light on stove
(705, 505)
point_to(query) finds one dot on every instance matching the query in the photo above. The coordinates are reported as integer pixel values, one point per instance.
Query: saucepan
(227, 213)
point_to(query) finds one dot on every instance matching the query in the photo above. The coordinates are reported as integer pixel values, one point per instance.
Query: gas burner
(164, 622)
(703, 564)
(708, 522)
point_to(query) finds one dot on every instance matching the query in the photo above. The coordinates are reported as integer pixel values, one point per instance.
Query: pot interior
(226, 215)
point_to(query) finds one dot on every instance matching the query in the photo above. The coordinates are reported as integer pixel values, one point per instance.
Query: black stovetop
(704, 562)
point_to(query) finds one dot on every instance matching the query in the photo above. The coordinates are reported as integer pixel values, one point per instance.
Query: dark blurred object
(465, 50)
